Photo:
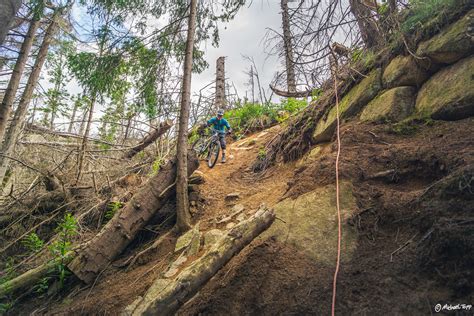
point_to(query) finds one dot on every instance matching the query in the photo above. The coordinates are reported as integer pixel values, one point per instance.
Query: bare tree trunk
(73, 117)
(8, 9)
(220, 84)
(252, 83)
(20, 114)
(83, 121)
(290, 69)
(10, 93)
(82, 150)
(367, 25)
(122, 228)
(182, 202)
(154, 135)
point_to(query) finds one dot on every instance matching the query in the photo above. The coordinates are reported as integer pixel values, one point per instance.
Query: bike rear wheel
(213, 154)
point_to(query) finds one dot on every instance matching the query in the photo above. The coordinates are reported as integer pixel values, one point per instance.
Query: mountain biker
(219, 123)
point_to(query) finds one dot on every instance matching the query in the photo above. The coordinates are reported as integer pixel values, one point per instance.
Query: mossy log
(165, 296)
(30, 277)
(122, 228)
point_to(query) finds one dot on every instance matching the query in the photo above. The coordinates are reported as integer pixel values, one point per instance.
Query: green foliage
(112, 208)
(253, 116)
(33, 243)
(363, 56)
(262, 154)
(5, 307)
(422, 11)
(42, 285)
(61, 248)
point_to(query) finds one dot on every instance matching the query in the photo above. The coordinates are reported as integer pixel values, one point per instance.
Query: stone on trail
(185, 240)
(309, 225)
(237, 209)
(232, 196)
(212, 236)
(230, 225)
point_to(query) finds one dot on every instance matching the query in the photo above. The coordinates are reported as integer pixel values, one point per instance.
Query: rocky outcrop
(450, 45)
(449, 94)
(309, 223)
(392, 105)
(403, 71)
(350, 105)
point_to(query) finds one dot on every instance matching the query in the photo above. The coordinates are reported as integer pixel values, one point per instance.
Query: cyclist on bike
(219, 123)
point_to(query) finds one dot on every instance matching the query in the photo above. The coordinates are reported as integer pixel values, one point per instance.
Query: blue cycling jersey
(219, 125)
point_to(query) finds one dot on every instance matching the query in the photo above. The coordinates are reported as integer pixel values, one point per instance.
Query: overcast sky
(244, 36)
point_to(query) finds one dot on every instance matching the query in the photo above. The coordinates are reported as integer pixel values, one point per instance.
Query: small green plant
(156, 166)
(262, 154)
(422, 11)
(112, 208)
(33, 243)
(5, 307)
(61, 248)
(42, 285)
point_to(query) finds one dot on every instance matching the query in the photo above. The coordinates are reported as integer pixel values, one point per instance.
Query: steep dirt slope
(414, 196)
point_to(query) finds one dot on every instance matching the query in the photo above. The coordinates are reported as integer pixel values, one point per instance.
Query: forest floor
(401, 264)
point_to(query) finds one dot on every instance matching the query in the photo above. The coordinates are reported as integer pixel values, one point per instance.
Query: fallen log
(165, 296)
(122, 228)
(288, 94)
(150, 138)
(30, 277)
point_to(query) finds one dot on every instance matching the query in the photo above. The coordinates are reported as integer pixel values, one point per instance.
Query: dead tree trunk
(219, 102)
(122, 228)
(290, 69)
(20, 114)
(10, 93)
(83, 147)
(8, 9)
(165, 296)
(164, 126)
(367, 25)
(182, 201)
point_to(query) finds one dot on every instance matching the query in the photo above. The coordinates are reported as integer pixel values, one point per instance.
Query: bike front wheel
(213, 154)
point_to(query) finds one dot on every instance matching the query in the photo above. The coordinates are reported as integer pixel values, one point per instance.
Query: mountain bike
(208, 148)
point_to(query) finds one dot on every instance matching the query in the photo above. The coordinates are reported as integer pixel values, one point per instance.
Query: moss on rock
(350, 105)
(449, 94)
(392, 105)
(450, 45)
(403, 71)
(310, 223)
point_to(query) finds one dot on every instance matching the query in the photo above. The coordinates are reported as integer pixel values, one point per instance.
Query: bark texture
(163, 128)
(367, 25)
(166, 296)
(20, 114)
(8, 9)
(287, 39)
(182, 200)
(219, 102)
(10, 93)
(122, 228)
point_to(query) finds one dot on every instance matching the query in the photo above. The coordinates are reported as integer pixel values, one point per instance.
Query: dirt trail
(235, 176)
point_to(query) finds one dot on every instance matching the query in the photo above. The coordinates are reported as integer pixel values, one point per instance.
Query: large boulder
(450, 45)
(449, 94)
(392, 105)
(309, 223)
(403, 71)
(350, 105)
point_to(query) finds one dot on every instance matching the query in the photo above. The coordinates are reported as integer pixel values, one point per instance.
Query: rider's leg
(223, 145)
